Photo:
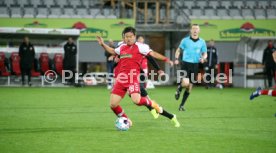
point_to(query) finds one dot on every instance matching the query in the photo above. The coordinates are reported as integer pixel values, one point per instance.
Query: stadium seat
(34, 73)
(4, 13)
(3, 67)
(250, 4)
(238, 4)
(225, 3)
(263, 4)
(202, 4)
(179, 3)
(187, 11)
(16, 11)
(15, 63)
(75, 3)
(260, 13)
(29, 12)
(214, 4)
(222, 13)
(10, 2)
(44, 63)
(235, 13)
(23, 3)
(68, 12)
(271, 13)
(42, 11)
(82, 12)
(209, 14)
(107, 11)
(62, 3)
(196, 13)
(189, 4)
(58, 63)
(273, 4)
(49, 3)
(86, 3)
(55, 12)
(94, 12)
(247, 14)
(35, 3)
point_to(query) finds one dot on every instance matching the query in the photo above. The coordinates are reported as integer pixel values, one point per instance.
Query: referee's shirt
(192, 49)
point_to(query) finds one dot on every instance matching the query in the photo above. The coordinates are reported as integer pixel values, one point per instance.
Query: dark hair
(138, 36)
(129, 29)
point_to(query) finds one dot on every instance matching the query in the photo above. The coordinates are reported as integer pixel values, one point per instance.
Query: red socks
(144, 101)
(269, 92)
(119, 111)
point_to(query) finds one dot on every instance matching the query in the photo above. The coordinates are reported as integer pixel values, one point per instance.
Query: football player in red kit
(131, 53)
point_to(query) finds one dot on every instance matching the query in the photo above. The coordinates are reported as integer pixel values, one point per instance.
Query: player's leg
(192, 70)
(170, 116)
(259, 92)
(186, 94)
(144, 93)
(117, 94)
(179, 84)
(140, 101)
(29, 74)
(178, 90)
(116, 108)
(22, 75)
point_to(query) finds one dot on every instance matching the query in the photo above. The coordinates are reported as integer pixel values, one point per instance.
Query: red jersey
(131, 57)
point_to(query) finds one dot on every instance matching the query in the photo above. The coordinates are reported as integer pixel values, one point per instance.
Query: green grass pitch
(79, 120)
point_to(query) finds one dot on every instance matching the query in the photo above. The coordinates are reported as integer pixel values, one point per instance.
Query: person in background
(269, 62)
(27, 55)
(69, 61)
(109, 64)
(194, 51)
(212, 62)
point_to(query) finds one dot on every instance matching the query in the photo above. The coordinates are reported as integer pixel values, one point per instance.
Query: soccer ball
(122, 124)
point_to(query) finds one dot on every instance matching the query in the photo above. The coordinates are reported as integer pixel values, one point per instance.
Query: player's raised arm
(105, 46)
(161, 57)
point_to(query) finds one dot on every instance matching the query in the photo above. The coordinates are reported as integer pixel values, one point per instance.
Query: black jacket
(70, 52)
(107, 54)
(212, 56)
(27, 55)
(268, 57)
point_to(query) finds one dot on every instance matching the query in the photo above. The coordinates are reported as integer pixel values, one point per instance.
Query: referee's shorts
(191, 71)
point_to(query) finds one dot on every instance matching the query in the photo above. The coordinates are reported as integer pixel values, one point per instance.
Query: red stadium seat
(34, 73)
(3, 69)
(44, 62)
(58, 63)
(15, 63)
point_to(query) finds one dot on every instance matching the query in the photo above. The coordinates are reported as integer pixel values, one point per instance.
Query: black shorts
(191, 71)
